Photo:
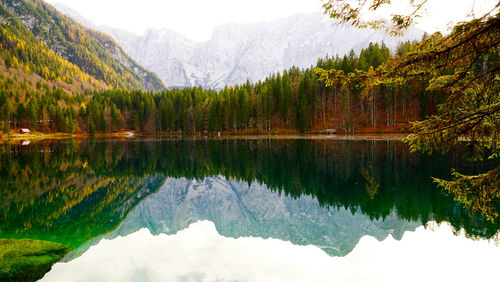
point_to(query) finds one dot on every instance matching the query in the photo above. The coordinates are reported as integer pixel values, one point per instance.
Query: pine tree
(267, 105)
(214, 116)
(33, 112)
(169, 115)
(92, 129)
(244, 111)
(114, 117)
(6, 127)
(302, 113)
(287, 96)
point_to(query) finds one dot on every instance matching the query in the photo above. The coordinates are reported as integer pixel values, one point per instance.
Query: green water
(324, 193)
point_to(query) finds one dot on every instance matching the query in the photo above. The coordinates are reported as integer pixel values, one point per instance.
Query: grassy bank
(28, 260)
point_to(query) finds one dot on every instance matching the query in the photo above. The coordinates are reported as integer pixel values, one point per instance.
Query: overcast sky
(197, 18)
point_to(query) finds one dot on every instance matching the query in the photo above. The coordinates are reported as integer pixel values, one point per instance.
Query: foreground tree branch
(464, 67)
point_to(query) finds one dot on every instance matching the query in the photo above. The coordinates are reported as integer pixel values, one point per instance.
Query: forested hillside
(95, 93)
(294, 101)
(41, 40)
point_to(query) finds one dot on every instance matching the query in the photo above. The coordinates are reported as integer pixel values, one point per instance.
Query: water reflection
(240, 210)
(199, 253)
(309, 192)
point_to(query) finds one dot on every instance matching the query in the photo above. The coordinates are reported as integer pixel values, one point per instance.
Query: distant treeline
(294, 100)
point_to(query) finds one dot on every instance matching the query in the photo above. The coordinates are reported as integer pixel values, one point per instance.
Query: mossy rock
(28, 260)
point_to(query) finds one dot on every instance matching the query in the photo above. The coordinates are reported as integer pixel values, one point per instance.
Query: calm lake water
(244, 210)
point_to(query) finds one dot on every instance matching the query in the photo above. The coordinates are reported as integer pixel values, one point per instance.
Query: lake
(156, 209)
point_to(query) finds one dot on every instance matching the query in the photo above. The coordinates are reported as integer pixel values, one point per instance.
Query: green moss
(28, 260)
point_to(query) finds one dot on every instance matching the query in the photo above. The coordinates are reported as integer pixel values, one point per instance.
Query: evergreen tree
(287, 96)
(214, 117)
(6, 127)
(92, 129)
(33, 112)
(20, 112)
(169, 115)
(114, 117)
(302, 114)
(268, 106)
(243, 112)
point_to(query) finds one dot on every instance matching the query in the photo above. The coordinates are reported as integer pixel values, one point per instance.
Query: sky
(196, 19)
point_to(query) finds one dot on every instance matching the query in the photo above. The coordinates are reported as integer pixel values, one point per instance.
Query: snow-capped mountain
(239, 52)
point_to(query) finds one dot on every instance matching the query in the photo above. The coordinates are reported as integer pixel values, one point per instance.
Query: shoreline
(175, 135)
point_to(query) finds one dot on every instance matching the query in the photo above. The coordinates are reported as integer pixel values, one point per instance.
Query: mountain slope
(93, 52)
(237, 52)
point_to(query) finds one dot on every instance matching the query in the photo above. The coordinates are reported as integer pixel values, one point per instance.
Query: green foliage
(6, 128)
(476, 192)
(352, 12)
(243, 112)
(302, 113)
(458, 75)
(28, 260)
(471, 109)
(114, 116)
(92, 129)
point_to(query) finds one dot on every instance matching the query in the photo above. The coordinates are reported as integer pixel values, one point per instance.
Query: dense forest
(68, 80)
(292, 101)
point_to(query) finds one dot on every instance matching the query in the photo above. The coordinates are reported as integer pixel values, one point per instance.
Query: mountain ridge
(239, 52)
(94, 52)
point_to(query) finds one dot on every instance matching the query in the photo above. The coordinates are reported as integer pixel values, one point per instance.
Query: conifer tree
(244, 111)
(302, 114)
(114, 117)
(6, 127)
(287, 96)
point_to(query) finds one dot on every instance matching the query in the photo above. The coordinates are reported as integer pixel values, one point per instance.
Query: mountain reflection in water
(324, 193)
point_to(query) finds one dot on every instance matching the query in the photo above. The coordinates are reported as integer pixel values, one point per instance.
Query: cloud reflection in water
(199, 253)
